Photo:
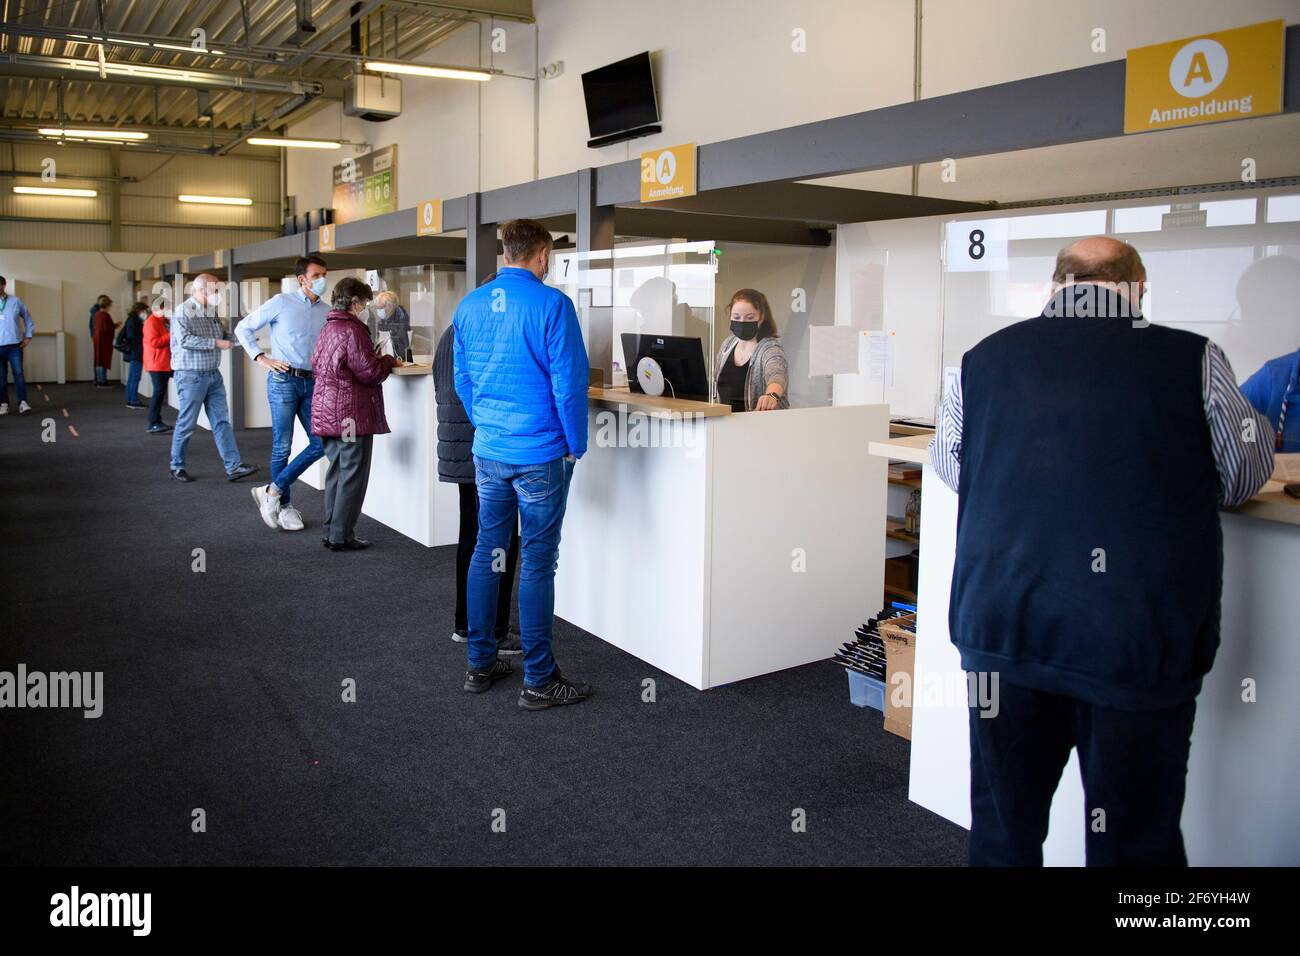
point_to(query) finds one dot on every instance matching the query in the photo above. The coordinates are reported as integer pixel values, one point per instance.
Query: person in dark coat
(134, 358)
(456, 465)
(105, 328)
(347, 409)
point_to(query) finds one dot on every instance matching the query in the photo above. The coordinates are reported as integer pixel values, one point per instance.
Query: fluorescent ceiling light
(414, 69)
(189, 49)
(94, 133)
(302, 143)
(217, 200)
(124, 40)
(54, 191)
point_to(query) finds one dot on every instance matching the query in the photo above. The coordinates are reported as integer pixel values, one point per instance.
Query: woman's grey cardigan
(767, 365)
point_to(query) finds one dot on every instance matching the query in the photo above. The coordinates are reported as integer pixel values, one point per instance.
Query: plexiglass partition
(799, 285)
(1225, 268)
(427, 296)
(659, 289)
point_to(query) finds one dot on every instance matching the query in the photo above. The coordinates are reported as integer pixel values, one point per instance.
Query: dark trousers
(159, 397)
(11, 358)
(345, 485)
(1134, 767)
(465, 552)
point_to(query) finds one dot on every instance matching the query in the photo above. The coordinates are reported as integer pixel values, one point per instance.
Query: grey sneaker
(290, 519)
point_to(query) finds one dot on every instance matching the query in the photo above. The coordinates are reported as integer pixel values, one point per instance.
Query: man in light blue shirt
(12, 343)
(294, 320)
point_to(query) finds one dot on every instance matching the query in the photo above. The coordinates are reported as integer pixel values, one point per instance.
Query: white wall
(76, 278)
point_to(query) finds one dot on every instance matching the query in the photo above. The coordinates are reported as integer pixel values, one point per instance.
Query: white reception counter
(722, 547)
(1244, 769)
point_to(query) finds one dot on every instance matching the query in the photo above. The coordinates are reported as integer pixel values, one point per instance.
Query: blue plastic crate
(866, 691)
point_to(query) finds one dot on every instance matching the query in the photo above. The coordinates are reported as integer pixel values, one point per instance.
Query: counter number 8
(976, 249)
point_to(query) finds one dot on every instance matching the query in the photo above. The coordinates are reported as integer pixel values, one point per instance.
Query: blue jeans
(11, 357)
(539, 493)
(133, 373)
(203, 390)
(290, 398)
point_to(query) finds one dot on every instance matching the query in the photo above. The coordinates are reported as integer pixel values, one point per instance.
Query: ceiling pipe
(172, 76)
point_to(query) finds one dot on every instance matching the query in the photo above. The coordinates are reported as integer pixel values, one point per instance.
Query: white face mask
(318, 286)
(381, 314)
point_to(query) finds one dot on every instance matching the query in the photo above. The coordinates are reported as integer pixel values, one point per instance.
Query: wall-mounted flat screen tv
(621, 101)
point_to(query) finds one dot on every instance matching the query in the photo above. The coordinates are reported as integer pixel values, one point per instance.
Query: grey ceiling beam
(536, 199)
(480, 243)
(667, 224)
(521, 10)
(321, 40)
(802, 202)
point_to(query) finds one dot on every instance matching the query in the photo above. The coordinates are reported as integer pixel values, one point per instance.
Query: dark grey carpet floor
(223, 692)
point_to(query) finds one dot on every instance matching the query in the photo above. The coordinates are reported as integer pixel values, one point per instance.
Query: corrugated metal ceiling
(394, 30)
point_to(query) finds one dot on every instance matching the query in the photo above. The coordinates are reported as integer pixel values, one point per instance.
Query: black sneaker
(477, 681)
(557, 691)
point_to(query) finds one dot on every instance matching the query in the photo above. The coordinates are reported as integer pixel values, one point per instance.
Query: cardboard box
(900, 661)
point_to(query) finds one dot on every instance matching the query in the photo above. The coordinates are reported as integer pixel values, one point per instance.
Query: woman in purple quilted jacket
(347, 408)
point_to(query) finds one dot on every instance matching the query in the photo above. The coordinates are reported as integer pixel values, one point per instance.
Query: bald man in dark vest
(1091, 450)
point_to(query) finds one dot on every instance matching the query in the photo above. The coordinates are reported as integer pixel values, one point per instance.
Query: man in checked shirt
(197, 341)
(1091, 451)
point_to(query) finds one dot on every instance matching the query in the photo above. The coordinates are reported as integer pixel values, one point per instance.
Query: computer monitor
(680, 357)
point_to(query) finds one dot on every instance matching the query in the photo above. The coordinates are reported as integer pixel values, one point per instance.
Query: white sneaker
(4, 408)
(290, 519)
(23, 408)
(268, 504)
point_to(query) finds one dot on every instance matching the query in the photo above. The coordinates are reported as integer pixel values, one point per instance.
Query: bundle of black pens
(864, 659)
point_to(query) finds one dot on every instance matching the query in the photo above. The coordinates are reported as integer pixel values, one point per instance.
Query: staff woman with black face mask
(751, 371)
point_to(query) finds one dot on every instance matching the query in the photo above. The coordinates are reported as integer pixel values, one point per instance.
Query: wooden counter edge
(913, 448)
(658, 405)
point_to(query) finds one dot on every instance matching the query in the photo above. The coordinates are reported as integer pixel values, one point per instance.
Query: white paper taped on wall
(833, 350)
(421, 310)
(880, 358)
(867, 291)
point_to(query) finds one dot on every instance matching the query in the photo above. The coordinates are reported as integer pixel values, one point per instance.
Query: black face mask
(744, 330)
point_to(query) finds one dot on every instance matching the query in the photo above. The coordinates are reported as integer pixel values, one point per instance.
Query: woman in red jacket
(158, 363)
(347, 408)
(104, 330)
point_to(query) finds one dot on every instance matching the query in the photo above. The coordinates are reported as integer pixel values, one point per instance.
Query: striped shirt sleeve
(1241, 438)
(945, 447)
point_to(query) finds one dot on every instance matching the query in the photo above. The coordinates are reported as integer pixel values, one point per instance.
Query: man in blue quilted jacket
(521, 371)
